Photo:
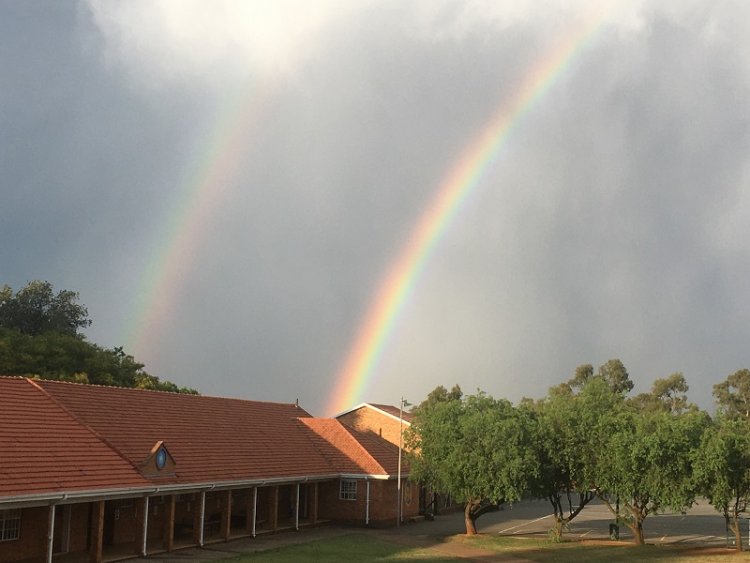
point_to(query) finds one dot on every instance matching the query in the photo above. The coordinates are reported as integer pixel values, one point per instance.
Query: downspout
(202, 518)
(51, 534)
(296, 511)
(144, 537)
(367, 502)
(255, 507)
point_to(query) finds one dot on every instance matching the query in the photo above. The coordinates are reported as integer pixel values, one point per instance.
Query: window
(10, 524)
(348, 489)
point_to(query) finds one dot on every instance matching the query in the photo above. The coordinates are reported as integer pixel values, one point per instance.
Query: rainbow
(352, 381)
(207, 183)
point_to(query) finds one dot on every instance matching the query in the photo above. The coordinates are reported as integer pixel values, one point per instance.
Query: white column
(202, 518)
(296, 512)
(50, 532)
(367, 503)
(255, 508)
(144, 537)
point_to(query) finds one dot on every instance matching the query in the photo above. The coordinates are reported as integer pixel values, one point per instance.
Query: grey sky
(613, 224)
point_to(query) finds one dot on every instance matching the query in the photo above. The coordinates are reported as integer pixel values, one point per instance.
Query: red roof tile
(44, 449)
(351, 451)
(211, 439)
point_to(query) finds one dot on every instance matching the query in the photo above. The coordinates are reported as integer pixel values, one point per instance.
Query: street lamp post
(399, 512)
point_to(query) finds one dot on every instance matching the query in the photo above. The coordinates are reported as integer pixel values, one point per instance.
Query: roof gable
(385, 410)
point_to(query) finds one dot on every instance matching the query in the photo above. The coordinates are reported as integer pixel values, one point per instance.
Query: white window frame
(348, 489)
(10, 525)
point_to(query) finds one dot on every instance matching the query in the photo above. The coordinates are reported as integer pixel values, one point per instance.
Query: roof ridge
(70, 413)
(162, 391)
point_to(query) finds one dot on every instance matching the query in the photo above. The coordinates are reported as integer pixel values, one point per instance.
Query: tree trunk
(637, 529)
(737, 529)
(471, 528)
(558, 529)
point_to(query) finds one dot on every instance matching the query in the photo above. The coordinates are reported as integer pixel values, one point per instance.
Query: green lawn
(366, 548)
(590, 552)
(361, 548)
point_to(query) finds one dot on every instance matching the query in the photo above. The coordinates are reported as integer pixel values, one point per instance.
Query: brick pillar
(96, 533)
(274, 516)
(169, 515)
(226, 515)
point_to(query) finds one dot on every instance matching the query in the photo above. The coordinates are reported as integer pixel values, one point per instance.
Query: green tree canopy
(733, 394)
(476, 448)
(36, 309)
(647, 463)
(722, 470)
(39, 337)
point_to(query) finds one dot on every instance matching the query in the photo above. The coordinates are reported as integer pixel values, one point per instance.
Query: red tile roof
(352, 451)
(67, 437)
(211, 439)
(44, 449)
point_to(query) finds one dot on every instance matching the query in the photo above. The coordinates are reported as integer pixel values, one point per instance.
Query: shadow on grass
(361, 548)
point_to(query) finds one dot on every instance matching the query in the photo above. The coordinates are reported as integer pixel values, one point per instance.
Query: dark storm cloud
(610, 225)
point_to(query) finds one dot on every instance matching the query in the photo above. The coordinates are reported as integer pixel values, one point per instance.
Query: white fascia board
(373, 407)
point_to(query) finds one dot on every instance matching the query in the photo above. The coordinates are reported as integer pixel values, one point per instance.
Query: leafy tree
(722, 470)
(39, 337)
(668, 395)
(36, 309)
(476, 448)
(648, 463)
(733, 394)
(567, 446)
(613, 372)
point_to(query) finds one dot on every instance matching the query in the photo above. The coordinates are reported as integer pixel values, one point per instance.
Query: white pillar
(144, 537)
(296, 512)
(367, 503)
(50, 532)
(255, 508)
(202, 518)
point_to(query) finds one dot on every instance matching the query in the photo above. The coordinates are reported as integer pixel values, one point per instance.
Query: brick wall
(33, 539)
(366, 419)
(382, 502)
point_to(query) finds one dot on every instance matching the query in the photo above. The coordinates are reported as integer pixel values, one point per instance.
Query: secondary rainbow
(357, 371)
(206, 185)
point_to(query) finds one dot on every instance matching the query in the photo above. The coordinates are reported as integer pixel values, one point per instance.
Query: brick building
(109, 473)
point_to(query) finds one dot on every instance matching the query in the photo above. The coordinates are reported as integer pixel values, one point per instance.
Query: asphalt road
(700, 525)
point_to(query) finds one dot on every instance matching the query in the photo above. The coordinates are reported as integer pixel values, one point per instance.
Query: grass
(542, 551)
(366, 548)
(361, 548)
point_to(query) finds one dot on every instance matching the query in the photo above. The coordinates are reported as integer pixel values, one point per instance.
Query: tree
(733, 394)
(36, 309)
(648, 463)
(667, 395)
(613, 372)
(722, 470)
(39, 337)
(567, 442)
(476, 448)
